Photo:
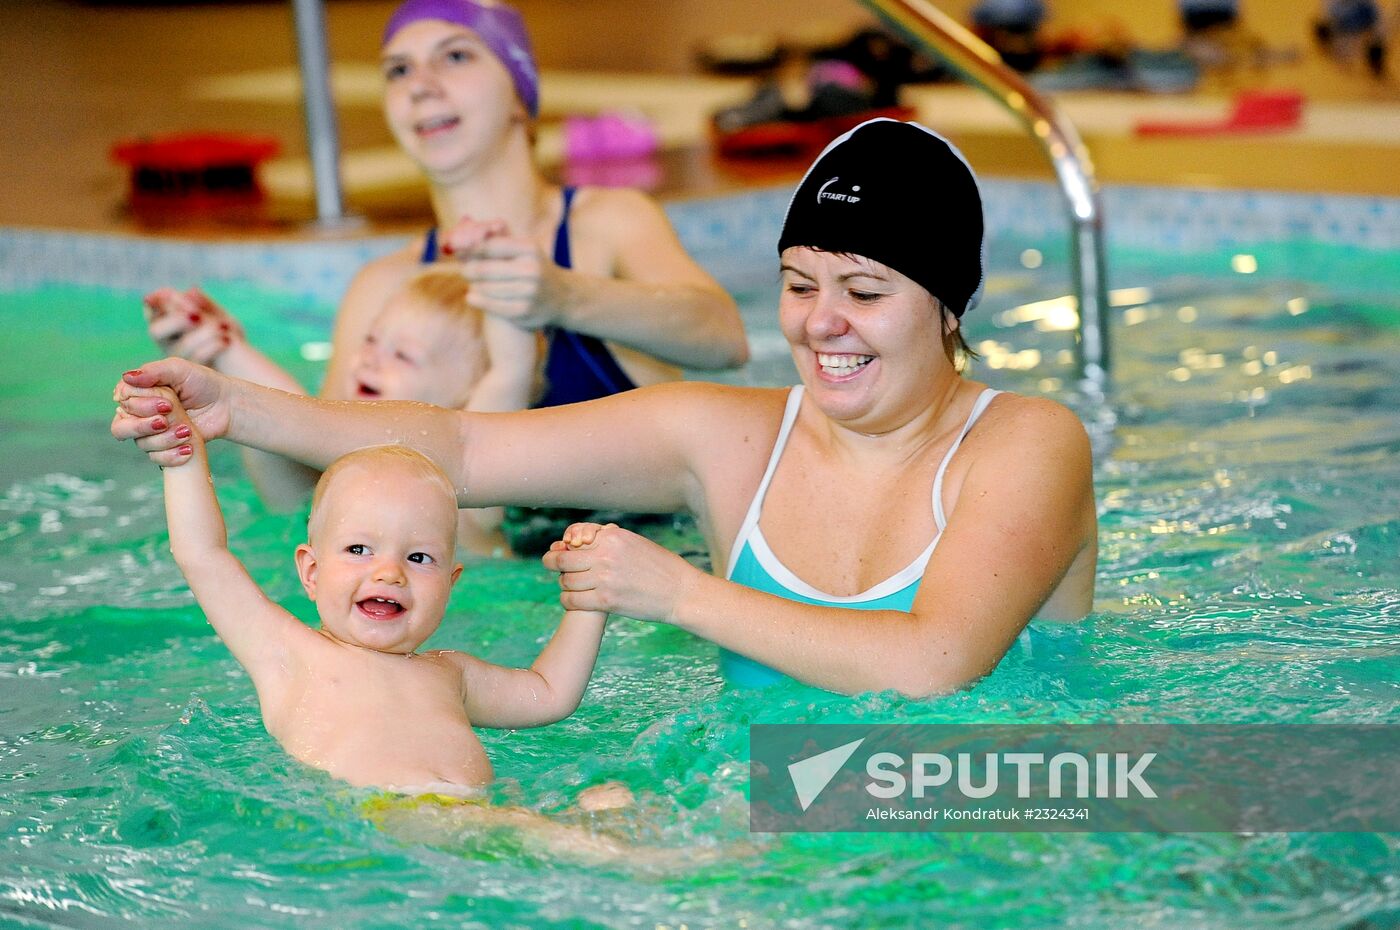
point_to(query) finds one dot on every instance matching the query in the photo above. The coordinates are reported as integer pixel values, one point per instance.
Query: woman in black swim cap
(886, 524)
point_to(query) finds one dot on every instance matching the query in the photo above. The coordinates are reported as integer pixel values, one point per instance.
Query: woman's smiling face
(867, 340)
(447, 97)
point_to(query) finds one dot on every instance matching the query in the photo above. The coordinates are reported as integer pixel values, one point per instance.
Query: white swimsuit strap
(794, 402)
(983, 400)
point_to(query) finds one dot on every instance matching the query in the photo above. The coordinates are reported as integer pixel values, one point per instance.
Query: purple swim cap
(500, 26)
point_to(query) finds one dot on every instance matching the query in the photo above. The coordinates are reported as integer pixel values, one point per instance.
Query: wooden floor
(82, 76)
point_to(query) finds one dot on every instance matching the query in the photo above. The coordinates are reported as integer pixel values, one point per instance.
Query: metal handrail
(940, 34)
(322, 135)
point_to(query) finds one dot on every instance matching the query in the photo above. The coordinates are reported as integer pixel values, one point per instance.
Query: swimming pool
(1250, 516)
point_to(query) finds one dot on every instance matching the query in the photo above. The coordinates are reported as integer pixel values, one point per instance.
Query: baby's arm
(552, 687)
(191, 325)
(258, 632)
(511, 383)
(512, 375)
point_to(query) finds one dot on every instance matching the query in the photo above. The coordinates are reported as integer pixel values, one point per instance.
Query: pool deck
(84, 76)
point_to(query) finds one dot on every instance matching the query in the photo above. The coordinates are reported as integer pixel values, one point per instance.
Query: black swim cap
(902, 195)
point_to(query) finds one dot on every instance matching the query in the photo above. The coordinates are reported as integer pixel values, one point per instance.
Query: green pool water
(1250, 515)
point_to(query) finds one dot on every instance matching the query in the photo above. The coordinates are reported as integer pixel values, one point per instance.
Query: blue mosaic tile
(734, 237)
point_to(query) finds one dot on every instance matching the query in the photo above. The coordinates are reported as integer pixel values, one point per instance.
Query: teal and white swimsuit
(753, 564)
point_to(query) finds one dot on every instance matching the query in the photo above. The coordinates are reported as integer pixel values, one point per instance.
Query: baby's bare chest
(381, 703)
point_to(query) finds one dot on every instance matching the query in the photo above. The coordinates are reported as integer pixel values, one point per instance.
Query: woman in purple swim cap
(598, 271)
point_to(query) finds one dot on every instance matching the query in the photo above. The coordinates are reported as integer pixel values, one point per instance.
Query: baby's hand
(579, 536)
(190, 325)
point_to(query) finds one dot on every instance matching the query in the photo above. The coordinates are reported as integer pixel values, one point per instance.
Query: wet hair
(418, 465)
(444, 294)
(954, 342)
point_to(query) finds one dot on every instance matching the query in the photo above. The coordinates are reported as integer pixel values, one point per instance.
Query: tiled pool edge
(715, 231)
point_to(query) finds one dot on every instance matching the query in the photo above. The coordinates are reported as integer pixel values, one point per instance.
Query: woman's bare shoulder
(725, 434)
(377, 279)
(710, 422)
(1032, 427)
(593, 202)
(390, 268)
(614, 212)
(1034, 412)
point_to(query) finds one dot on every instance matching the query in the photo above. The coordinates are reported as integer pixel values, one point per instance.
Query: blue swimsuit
(576, 367)
(753, 564)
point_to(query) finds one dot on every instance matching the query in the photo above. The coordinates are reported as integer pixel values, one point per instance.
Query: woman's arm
(631, 451)
(656, 299)
(281, 483)
(192, 326)
(1025, 511)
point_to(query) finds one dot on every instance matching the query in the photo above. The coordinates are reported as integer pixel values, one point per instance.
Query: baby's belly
(402, 753)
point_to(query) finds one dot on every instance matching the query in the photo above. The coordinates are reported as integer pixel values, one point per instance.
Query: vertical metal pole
(1091, 349)
(322, 136)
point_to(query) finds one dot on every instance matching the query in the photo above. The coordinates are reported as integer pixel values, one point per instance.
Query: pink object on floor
(1254, 111)
(841, 73)
(610, 134)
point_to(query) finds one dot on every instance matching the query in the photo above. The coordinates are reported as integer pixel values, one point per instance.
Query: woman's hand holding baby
(509, 277)
(145, 413)
(611, 569)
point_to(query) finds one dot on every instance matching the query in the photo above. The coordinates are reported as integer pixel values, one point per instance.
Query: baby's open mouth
(380, 608)
(364, 390)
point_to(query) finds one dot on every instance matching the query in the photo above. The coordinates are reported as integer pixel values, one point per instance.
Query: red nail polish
(164, 407)
(194, 318)
(223, 326)
(133, 373)
(447, 248)
(159, 424)
(185, 450)
(182, 432)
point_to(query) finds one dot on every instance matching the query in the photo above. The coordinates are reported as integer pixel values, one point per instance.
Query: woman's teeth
(436, 123)
(841, 365)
